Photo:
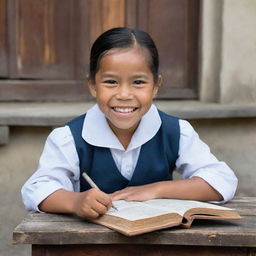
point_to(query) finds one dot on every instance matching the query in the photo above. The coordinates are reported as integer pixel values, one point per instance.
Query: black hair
(123, 37)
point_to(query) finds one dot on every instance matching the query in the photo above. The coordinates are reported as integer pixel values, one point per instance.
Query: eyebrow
(140, 76)
(108, 75)
(136, 76)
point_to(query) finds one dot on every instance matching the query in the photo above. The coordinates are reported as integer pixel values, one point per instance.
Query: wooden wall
(44, 44)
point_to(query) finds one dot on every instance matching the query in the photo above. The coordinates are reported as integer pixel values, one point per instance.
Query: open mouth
(124, 110)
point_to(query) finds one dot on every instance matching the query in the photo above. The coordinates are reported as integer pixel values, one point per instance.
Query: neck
(125, 139)
(123, 135)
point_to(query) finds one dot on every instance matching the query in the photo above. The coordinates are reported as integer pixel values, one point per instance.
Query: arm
(204, 177)
(194, 188)
(54, 187)
(89, 204)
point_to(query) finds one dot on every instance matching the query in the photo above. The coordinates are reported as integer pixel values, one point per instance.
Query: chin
(125, 127)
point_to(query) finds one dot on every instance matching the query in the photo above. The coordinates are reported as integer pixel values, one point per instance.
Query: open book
(133, 218)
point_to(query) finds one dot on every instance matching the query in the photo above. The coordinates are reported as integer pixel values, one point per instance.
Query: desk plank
(56, 229)
(245, 206)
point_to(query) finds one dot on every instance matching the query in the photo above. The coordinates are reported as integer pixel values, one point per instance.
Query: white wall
(238, 74)
(228, 51)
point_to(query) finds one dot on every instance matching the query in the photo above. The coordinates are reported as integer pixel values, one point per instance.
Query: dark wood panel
(12, 38)
(138, 250)
(95, 20)
(131, 13)
(51, 39)
(142, 14)
(172, 23)
(3, 39)
(66, 90)
(81, 39)
(105, 14)
(113, 13)
(170, 16)
(192, 45)
(44, 42)
(43, 90)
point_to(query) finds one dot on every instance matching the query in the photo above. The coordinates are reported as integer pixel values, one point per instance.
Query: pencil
(93, 185)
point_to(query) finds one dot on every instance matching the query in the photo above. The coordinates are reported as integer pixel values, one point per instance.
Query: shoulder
(165, 116)
(169, 122)
(77, 120)
(76, 126)
(186, 129)
(60, 136)
(170, 129)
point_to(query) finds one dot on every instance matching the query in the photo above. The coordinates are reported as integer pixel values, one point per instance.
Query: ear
(91, 85)
(157, 84)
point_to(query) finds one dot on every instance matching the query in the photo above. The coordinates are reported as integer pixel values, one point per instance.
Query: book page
(181, 206)
(139, 210)
(135, 210)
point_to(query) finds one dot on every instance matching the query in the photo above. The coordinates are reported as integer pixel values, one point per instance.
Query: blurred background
(207, 58)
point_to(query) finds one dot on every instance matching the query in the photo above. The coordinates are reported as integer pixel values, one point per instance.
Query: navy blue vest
(156, 161)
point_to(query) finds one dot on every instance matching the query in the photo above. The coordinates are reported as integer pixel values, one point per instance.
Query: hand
(138, 193)
(92, 203)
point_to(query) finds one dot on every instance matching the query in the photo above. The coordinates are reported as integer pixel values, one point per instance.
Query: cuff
(225, 185)
(34, 196)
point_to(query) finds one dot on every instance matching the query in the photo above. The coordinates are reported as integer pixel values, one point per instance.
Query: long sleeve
(58, 169)
(195, 159)
(59, 166)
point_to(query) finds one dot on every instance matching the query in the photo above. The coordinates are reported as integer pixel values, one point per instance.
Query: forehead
(136, 58)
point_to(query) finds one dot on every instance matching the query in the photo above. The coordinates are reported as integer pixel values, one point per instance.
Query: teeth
(124, 110)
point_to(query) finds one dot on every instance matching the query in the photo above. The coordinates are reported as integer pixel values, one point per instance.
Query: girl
(125, 144)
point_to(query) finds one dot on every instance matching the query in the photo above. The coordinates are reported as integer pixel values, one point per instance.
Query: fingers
(95, 211)
(128, 194)
(137, 193)
(92, 203)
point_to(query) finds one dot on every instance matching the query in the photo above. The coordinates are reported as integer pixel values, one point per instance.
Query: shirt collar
(97, 132)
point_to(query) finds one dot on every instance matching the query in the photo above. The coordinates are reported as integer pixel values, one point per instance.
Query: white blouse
(59, 164)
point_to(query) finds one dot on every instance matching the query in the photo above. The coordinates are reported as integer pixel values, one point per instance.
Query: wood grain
(44, 90)
(56, 229)
(45, 39)
(50, 40)
(3, 39)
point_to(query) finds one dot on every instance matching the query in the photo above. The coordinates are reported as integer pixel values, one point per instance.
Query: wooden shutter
(3, 39)
(44, 44)
(174, 26)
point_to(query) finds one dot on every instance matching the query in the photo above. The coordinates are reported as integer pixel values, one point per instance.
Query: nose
(124, 92)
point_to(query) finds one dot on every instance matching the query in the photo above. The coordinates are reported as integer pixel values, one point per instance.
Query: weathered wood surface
(53, 229)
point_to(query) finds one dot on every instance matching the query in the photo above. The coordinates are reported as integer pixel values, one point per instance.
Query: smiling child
(125, 144)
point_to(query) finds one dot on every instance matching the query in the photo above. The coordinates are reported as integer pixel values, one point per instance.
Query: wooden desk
(52, 234)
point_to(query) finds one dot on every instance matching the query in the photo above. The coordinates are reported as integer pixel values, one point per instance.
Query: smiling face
(124, 88)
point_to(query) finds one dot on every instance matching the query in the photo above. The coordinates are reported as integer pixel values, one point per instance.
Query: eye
(110, 81)
(139, 82)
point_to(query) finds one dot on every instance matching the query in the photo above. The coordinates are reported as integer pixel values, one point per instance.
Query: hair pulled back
(122, 38)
